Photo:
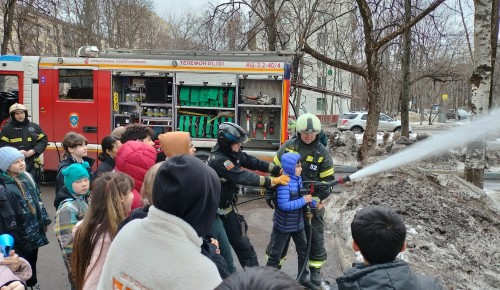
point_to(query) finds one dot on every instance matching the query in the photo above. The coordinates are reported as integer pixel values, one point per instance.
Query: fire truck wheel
(202, 155)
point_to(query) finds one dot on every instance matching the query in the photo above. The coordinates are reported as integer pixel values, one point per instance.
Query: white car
(356, 122)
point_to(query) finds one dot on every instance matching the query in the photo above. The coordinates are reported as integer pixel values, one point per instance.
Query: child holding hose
(289, 218)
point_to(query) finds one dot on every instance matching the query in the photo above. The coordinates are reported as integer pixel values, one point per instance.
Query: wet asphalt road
(52, 272)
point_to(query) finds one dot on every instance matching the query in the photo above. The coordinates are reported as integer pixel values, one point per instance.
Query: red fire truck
(192, 91)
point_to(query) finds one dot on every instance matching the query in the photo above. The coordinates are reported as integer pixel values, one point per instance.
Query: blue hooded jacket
(288, 216)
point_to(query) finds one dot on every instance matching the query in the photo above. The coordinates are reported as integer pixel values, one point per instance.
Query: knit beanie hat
(74, 172)
(175, 143)
(7, 156)
(188, 188)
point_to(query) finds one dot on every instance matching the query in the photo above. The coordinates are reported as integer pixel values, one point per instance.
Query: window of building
(76, 84)
(320, 104)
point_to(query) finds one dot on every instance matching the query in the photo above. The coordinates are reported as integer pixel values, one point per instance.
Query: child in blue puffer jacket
(288, 216)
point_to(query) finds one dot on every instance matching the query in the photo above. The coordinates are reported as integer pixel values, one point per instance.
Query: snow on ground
(453, 227)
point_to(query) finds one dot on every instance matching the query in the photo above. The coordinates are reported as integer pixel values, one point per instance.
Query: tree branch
(414, 21)
(338, 64)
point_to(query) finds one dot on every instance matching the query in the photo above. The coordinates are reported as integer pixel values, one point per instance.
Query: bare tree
(405, 64)
(374, 43)
(8, 20)
(481, 85)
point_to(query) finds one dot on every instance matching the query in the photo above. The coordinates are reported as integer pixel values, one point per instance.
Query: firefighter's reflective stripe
(262, 180)
(277, 161)
(326, 173)
(282, 260)
(311, 158)
(224, 211)
(40, 136)
(14, 140)
(316, 264)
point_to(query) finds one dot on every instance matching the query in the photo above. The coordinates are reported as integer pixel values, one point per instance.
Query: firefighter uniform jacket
(317, 163)
(24, 136)
(228, 167)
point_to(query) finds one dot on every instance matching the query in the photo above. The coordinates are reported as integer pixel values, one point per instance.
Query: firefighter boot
(308, 284)
(316, 276)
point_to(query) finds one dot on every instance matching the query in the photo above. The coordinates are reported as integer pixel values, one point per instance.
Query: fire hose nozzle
(344, 179)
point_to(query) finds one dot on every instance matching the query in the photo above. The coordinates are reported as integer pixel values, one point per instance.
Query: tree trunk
(372, 88)
(494, 44)
(405, 63)
(272, 31)
(8, 20)
(480, 83)
(475, 161)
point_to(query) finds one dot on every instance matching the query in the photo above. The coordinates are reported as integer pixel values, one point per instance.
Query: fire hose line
(309, 214)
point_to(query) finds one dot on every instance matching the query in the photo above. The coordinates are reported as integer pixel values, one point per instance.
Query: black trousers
(317, 254)
(238, 240)
(277, 244)
(31, 257)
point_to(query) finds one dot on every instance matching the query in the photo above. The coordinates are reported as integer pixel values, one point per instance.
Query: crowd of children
(134, 208)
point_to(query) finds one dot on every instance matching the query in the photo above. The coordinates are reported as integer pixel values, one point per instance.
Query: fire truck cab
(192, 91)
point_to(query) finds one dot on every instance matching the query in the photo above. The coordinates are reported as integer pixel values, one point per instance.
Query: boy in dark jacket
(289, 218)
(379, 233)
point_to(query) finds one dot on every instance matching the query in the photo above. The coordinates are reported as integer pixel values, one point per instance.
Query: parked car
(356, 122)
(458, 114)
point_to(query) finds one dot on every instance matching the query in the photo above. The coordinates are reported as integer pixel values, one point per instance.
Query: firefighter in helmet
(226, 159)
(24, 135)
(317, 165)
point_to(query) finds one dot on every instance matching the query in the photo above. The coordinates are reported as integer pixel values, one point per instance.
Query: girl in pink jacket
(14, 271)
(111, 202)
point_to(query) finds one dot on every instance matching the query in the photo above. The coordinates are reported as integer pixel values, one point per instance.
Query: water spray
(435, 145)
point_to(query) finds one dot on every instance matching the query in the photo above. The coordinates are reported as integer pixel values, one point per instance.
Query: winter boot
(316, 276)
(34, 287)
(308, 284)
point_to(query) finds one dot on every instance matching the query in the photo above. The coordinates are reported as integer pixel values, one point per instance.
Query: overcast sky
(166, 7)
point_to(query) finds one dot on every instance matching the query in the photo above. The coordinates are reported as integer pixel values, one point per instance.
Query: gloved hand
(270, 194)
(282, 179)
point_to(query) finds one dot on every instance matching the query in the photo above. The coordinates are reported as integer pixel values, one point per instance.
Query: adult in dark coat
(24, 135)
(226, 159)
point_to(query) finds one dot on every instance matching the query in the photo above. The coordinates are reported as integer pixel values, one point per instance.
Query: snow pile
(344, 150)
(453, 230)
